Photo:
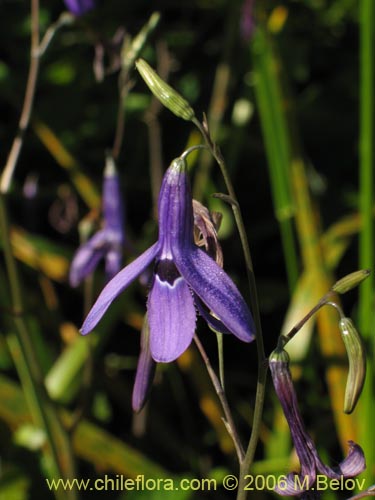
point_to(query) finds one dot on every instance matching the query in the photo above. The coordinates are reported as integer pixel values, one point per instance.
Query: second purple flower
(107, 243)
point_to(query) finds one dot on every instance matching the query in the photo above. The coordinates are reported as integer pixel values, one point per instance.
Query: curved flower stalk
(108, 242)
(311, 464)
(79, 7)
(182, 271)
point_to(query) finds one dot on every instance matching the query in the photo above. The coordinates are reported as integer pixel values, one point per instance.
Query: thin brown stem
(124, 88)
(228, 421)
(324, 301)
(7, 175)
(262, 365)
(151, 118)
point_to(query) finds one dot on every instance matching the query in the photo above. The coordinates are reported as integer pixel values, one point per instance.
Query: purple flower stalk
(79, 7)
(108, 242)
(311, 464)
(182, 273)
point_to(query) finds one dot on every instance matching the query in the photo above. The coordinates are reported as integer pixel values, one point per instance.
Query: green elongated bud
(132, 50)
(357, 363)
(164, 92)
(350, 281)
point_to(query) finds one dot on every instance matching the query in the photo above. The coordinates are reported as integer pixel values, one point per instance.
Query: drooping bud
(311, 464)
(132, 49)
(357, 363)
(350, 281)
(169, 97)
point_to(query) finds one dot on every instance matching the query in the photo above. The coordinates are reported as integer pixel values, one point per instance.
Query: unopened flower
(350, 281)
(167, 95)
(311, 464)
(182, 270)
(79, 7)
(357, 363)
(107, 243)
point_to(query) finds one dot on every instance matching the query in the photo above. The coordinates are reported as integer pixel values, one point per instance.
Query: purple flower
(79, 7)
(311, 464)
(106, 243)
(145, 370)
(182, 270)
(247, 24)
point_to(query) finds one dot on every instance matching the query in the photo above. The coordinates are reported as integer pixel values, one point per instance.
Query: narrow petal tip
(116, 286)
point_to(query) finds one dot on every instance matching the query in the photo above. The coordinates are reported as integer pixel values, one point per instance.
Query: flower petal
(172, 318)
(87, 257)
(352, 465)
(216, 290)
(113, 262)
(116, 286)
(113, 209)
(175, 209)
(145, 370)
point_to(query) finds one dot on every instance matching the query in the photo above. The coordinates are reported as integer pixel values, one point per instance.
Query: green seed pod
(357, 363)
(164, 92)
(350, 281)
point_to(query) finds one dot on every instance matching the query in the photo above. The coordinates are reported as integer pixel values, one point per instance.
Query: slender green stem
(220, 351)
(229, 422)
(151, 118)
(44, 412)
(324, 301)
(124, 87)
(262, 365)
(367, 235)
(65, 19)
(130, 50)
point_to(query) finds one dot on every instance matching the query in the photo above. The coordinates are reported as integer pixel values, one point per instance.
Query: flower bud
(350, 281)
(357, 363)
(164, 92)
(133, 49)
